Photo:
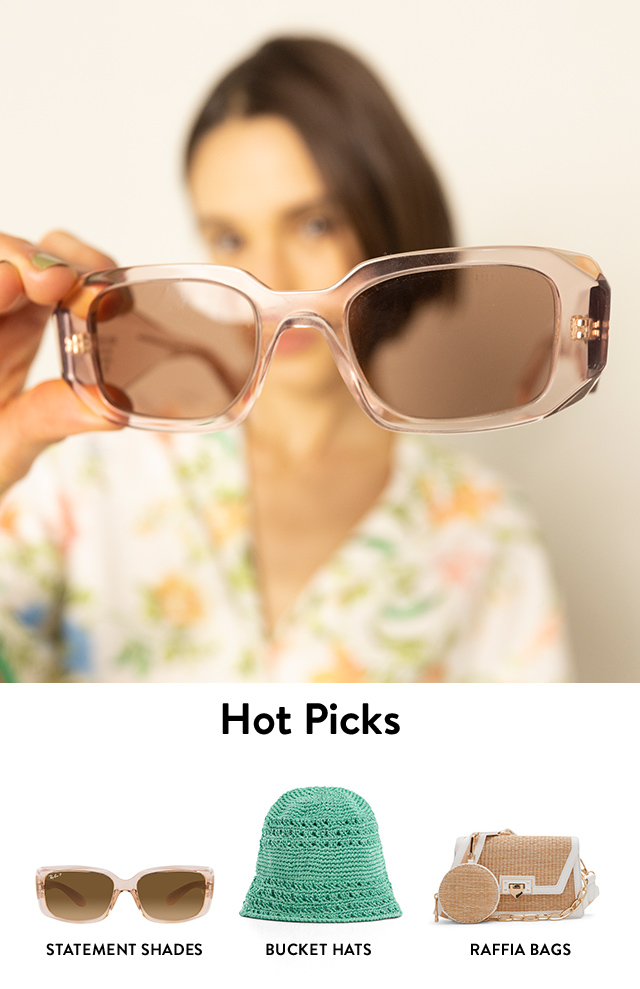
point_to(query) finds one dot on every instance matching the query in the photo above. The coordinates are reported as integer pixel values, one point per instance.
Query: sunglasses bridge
(304, 320)
(333, 335)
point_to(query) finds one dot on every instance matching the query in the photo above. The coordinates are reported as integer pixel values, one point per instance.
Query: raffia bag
(504, 876)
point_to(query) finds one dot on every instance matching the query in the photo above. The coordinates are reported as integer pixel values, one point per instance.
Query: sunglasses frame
(582, 300)
(125, 885)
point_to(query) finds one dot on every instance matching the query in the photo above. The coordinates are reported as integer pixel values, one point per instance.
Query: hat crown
(320, 832)
(318, 806)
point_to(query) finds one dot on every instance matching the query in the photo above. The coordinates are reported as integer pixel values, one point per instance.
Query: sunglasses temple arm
(177, 894)
(73, 894)
(200, 352)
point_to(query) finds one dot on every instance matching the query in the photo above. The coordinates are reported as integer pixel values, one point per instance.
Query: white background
(530, 111)
(131, 777)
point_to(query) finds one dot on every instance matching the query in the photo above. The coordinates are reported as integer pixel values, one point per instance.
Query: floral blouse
(128, 557)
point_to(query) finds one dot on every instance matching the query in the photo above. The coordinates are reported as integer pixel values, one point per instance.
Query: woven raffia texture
(542, 857)
(468, 894)
(320, 861)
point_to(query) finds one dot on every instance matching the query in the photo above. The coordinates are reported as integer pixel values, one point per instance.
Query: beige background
(530, 112)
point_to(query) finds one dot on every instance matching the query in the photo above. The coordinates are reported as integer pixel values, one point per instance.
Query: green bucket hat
(320, 861)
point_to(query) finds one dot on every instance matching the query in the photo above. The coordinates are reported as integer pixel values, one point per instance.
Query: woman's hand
(33, 279)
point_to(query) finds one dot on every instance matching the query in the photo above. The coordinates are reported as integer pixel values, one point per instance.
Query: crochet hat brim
(320, 903)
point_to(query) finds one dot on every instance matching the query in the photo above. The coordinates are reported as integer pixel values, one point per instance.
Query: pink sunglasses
(430, 342)
(168, 895)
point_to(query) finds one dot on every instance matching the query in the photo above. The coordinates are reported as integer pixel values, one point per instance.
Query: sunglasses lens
(78, 896)
(456, 343)
(172, 895)
(173, 349)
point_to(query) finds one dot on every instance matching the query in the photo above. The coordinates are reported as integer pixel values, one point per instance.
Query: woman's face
(262, 205)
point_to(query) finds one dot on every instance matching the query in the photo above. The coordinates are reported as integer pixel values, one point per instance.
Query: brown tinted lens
(173, 349)
(456, 344)
(172, 895)
(78, 895)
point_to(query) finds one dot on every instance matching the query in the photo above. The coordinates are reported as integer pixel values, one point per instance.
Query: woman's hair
(368, 157)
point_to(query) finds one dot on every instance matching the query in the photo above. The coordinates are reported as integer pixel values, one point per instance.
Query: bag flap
(543, 863)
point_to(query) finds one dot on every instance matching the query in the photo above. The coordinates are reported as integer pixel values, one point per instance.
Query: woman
(309, 545)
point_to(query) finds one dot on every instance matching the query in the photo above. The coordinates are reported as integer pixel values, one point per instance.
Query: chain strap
(556, 915)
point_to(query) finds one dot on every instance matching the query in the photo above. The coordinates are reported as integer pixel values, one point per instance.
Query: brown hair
(366, 153)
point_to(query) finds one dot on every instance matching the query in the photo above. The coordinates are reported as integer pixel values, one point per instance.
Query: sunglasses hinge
(585, 328)
(77, 343)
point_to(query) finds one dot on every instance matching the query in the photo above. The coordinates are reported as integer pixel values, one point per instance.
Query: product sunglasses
(167, 895)
(431, 342)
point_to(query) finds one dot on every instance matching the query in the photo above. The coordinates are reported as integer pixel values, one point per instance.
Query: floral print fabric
(128, 557)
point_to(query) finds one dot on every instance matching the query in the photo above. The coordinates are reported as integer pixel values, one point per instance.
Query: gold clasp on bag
(516, 886)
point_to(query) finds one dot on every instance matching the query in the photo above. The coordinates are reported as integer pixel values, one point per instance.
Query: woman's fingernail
(42, 260)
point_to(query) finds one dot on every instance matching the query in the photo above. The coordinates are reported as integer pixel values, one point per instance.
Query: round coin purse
(469, 893)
